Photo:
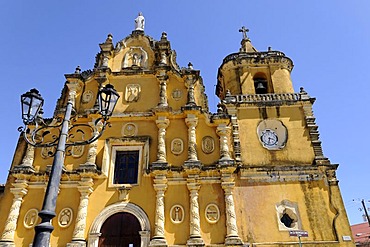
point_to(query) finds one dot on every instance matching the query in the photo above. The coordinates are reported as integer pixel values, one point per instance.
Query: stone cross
(244, 30)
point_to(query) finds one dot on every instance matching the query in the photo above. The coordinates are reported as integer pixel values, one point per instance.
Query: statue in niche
(140, 22)
(135, 57)
(132, 92)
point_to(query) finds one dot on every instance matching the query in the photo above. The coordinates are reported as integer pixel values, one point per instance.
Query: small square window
(125, 160)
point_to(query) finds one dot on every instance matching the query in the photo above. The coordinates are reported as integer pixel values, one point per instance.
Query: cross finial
(244, 30)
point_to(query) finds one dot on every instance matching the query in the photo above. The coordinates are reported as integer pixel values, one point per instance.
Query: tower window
(260, 85)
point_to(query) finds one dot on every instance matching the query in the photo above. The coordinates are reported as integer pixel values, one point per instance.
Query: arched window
(260, 83)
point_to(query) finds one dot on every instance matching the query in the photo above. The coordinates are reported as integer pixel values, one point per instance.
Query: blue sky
(327, 40)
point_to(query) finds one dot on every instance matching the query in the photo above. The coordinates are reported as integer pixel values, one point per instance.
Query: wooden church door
(120, 230)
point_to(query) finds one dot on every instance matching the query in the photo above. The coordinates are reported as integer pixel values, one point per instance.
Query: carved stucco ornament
(65, 217)
(177, 214)
(78, 151)
(30, 218)
(212, 213)
(47, 152)
(177, 94)
(133, 92)
(177, 146)
(129, 130)
(87, 96)
(208, 144)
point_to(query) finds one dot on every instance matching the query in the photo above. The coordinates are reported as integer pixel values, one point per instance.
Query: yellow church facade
(167, 172)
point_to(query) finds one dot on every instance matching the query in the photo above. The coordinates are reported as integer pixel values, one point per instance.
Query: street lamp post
(31, 106)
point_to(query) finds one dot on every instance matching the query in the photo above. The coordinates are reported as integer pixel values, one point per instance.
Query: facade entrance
(120, 230)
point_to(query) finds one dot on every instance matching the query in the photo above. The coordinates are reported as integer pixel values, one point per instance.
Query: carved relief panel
(212, 213)
(133, 92)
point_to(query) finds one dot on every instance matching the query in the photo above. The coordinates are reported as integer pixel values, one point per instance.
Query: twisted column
(160, 186)
(19, 190)
(85, 189)
(195, 237)
(223, 132)
(162, 124)
(232, 236)
(192, 121)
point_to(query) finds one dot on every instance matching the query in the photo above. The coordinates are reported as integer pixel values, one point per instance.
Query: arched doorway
(121, 212)
(120, 230)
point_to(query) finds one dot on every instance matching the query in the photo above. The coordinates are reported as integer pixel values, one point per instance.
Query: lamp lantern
(31, 105)
(108, 98)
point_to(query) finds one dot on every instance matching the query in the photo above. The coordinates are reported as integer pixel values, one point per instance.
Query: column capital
(191, 120)
(162, 122)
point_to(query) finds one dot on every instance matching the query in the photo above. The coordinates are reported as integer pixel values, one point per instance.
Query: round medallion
(129, 130)
(212, 213)
(65, 217)
(30, 219)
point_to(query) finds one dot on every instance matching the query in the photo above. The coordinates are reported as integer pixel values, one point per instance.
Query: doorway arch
(120, 207)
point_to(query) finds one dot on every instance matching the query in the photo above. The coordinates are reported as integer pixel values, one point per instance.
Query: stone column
(160, 186)
(85, 189)
(195, 237)
(19, 190)
(232, 237)
(223, 132)
(163, 78)
(192, 121)
(162, 124)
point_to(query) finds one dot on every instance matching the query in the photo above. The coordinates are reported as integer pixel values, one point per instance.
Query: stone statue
(140, 22)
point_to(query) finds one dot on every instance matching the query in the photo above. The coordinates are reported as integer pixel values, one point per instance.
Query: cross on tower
(244, 30)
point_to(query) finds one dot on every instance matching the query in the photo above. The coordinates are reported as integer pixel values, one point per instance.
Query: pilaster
(85, 189)
(232, 236)
(19, 191)
(192, 121)
(223, 132)
(160, 186)
(195, 237)
(27, 162)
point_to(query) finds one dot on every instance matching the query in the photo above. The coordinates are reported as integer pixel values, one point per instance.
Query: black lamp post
(31, 105)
